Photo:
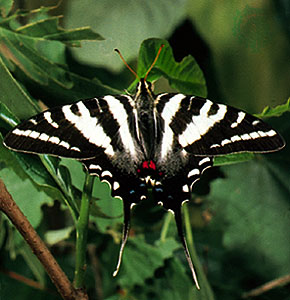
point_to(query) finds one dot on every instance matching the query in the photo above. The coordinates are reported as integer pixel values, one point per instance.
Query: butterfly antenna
(154, 62)
(125, 235)
(126, 64)
(178, 220)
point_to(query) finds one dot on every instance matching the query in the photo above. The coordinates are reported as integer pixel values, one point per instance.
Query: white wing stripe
(169, 111)
(204, 160)
(193, 173)
(241, 116)
(47, 116)
(54, 140)
(88, 126)
(119, 113)
(201, 124)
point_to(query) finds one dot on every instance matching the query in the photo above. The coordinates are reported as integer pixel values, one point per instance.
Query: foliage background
(241, 224)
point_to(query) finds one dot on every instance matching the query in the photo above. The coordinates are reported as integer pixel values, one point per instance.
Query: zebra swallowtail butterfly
(165, 141)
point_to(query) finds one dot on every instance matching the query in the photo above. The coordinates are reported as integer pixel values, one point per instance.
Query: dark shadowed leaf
(254, 202)
(141, 260)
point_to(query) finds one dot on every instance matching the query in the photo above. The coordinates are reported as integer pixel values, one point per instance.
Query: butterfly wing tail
(125, 235)
(180, 231)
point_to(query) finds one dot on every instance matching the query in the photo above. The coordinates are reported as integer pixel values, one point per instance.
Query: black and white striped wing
(202, 127)
(82, 130)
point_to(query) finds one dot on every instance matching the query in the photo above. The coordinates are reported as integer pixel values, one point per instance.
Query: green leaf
(232, 158)
(141, 260)
(74, 36)
(7, 119)
(53, 237)
(174, 284)
(49, 29)
(40, 28)
(110, 210)
(13, 96)
(276, 111)
(5, 7)
(125, 24)
(22, 50)
(253, 201)
(64, 173)
(27, 196)
(185, 76)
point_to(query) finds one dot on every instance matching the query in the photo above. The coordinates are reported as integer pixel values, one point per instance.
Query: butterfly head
(144, 89)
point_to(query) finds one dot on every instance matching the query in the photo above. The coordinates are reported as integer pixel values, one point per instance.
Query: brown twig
(27, 281)
(267, 286)
(58, 277)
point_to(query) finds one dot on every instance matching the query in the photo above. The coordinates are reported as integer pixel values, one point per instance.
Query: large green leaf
(185, 76)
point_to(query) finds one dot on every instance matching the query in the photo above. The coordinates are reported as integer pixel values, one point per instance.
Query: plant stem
(82, 232)
(205, 287)
(189, 237)
(165, 227)
(59, 181)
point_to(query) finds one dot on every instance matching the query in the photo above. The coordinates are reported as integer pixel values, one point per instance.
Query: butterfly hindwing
(126, 186)
(173, 190)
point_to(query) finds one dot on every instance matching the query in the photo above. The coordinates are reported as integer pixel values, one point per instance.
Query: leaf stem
(82, 232)
(165, 227)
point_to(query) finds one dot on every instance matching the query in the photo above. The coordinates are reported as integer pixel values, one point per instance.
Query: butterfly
(135, 142)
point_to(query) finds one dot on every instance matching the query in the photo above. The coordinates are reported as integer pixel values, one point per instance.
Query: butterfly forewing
(202, 127)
